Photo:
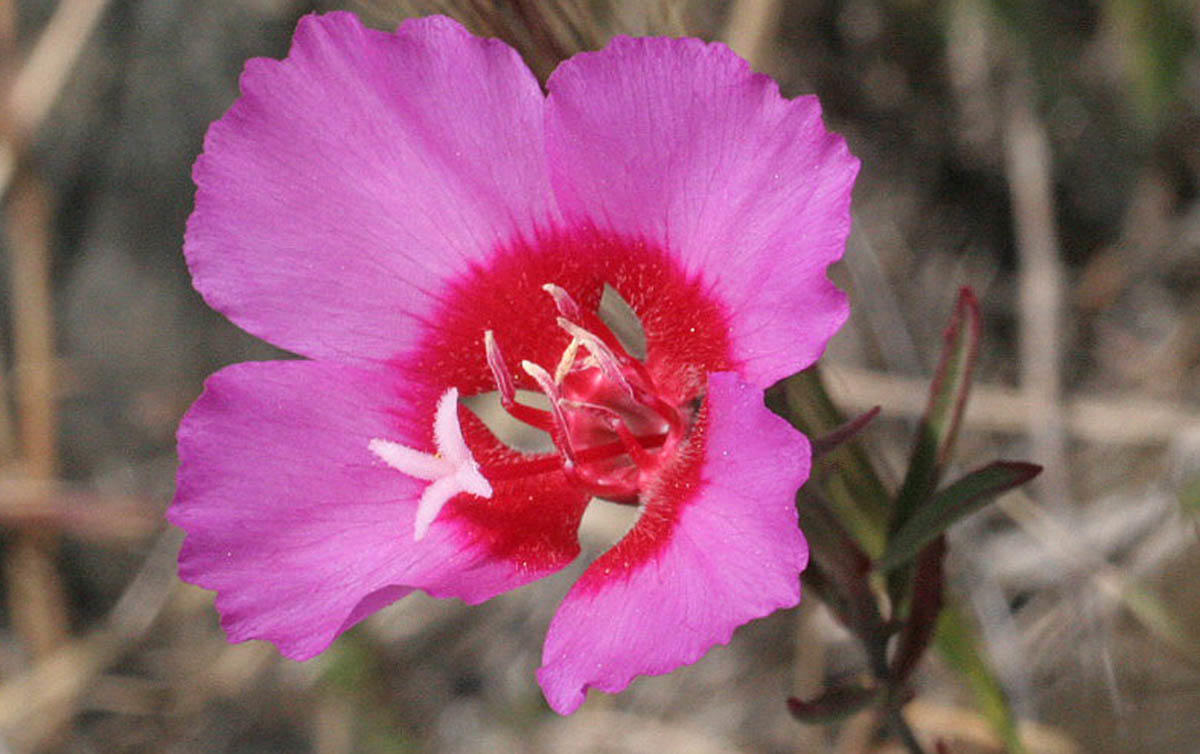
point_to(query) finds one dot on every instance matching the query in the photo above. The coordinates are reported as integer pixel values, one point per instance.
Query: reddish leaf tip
(1023, 470)
(834, 704)
(831, 441)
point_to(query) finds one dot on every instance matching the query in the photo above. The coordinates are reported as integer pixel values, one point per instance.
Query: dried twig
(77, 512)
(35, 593)
(749, 29)
(37, 85)
(1040, 308)
(37, 703)
(1117, 420)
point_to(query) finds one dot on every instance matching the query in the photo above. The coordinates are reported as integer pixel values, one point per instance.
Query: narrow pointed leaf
(927, 589)
(835, 439)
(835, 704)
(959, 500)
(1189, 494)
(947, 401)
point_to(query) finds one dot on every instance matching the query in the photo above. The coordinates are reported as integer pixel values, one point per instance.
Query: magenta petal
(298, 526)
(735, 554)
(678, 142)
(352, 179)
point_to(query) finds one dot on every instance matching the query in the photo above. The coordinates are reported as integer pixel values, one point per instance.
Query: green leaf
(964, 497)
(957, 644)
(1189, 494)
(845, 474)
(828, 539)
(943, 415)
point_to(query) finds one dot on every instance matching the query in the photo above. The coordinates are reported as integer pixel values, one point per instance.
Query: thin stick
(35, 592)
(39, 82)
(748, 32)
(35, 704)
(1123, 419)
(1040, 306)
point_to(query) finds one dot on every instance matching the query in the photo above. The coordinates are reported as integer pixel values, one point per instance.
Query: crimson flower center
(612, 427)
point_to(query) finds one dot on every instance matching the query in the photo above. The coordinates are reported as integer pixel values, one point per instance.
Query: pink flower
(413, 216)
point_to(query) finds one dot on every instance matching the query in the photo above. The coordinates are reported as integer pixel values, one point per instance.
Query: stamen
(598, 449)
(452, 470)
(665, 410)
(566, 305)
(595, 325)
(602, 355)
(599, 331)
(508, 393)
(567, 362)
(500, 373)
(544, 464)
(561, 432)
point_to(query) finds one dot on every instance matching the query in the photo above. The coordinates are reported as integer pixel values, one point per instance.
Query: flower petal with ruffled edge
(716, 546)
(378, 202)
(678, 142)
(302, 530)
(352, 179)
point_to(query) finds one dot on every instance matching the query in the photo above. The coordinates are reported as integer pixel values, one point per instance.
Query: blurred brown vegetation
(1047, 154)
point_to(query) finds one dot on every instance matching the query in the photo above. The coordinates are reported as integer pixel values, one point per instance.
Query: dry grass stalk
(750, 28)
(37, 704)
(1116, 420)
(1040, 306)
(35, 592)
(79, 513)
(38, 83)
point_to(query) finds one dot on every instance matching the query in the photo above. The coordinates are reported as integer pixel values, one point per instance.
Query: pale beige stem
(36, 86)
(1121, 419)
(1040, 307)
(750, 28)
(35, 592)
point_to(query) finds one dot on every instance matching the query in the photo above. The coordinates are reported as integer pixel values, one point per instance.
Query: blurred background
(1045, 153)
